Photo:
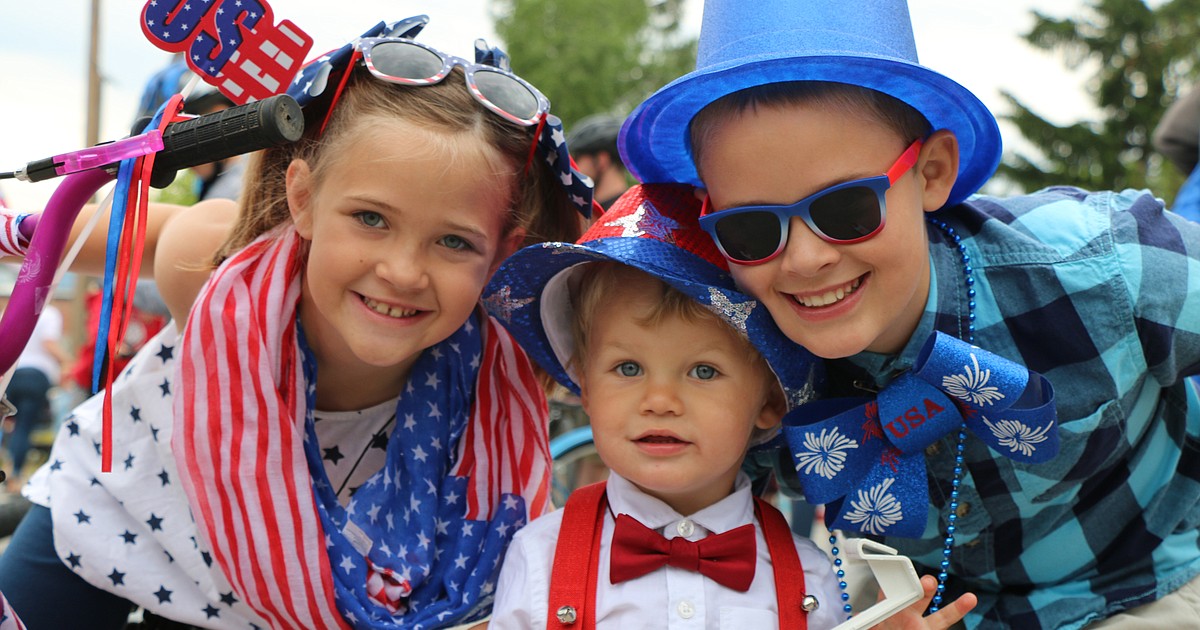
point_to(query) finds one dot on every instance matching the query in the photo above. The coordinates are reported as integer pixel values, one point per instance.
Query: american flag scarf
(420, 544)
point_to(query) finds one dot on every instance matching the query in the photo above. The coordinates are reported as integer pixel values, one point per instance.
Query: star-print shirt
(1101, 294)
(131, 532)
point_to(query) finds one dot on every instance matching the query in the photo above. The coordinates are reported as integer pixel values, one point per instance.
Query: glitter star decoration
(503, 305)
(734, 313)
(646, 221)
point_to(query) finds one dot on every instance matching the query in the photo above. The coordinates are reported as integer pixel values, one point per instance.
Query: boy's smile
(836, 299)
(673, 403)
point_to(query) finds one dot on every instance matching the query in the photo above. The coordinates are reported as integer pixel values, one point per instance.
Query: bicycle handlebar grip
(220, 135)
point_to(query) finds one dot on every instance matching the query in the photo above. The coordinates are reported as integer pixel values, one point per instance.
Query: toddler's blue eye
(704, 372)
(629, 368)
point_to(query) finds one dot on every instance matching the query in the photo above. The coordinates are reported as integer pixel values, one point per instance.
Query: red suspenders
(576, 563)
(577, 560)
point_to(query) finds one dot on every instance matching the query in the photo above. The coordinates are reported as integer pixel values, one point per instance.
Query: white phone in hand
(893, 573)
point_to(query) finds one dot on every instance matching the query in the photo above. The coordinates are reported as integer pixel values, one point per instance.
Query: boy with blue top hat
(1009, 406)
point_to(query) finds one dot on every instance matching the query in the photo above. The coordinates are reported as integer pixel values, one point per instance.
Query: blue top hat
(654, 228)
(868, 43)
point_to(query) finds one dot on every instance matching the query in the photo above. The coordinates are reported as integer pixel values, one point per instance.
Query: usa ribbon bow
(728, 558)
(864, 457)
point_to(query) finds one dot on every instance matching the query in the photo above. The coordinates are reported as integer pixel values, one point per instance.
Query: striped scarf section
(8, 617)
(239, 438)
(12, 242)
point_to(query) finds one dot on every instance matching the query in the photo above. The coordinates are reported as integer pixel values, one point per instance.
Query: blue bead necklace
(952, 516)
(960, 446)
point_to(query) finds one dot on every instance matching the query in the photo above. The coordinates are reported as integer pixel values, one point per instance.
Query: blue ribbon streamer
(116, 223)
(864, 457)
(126, 178)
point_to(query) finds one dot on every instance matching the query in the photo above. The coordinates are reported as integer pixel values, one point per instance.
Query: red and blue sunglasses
(843, 213)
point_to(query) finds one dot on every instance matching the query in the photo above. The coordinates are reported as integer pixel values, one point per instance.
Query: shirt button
(686, 609)
(964, 509)
(685, 528)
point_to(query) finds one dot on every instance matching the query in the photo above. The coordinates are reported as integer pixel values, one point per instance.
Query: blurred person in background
(593, 142)
(38, 369)
(1177, 137)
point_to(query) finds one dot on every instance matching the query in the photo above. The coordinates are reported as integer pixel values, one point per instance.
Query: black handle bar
(220, 135)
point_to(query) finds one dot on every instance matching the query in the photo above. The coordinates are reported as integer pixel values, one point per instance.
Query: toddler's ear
(774, 408)
(937, 169)
(299, 196)
(583, 390)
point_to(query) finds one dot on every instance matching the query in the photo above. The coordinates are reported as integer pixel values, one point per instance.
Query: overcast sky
(43, 73)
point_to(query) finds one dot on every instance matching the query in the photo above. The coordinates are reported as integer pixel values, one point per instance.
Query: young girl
(355, 440)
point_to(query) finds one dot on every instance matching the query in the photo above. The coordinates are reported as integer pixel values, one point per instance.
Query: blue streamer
(116, 224)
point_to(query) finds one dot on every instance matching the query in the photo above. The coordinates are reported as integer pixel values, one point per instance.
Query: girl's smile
(393, 311)
(401, 245)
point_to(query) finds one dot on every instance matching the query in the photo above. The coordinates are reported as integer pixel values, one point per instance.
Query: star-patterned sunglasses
(390, 54)
(843, 213)
(407, 62)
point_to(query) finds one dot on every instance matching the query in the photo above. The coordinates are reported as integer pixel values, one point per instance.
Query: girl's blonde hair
(539, 205)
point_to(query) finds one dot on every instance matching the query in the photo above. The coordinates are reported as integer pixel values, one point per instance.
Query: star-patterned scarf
(421, 542)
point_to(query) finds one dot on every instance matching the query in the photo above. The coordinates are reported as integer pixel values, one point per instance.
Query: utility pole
(78, 329)
(93, 97)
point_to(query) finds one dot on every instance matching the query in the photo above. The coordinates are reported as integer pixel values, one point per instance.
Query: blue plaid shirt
(1100, 292)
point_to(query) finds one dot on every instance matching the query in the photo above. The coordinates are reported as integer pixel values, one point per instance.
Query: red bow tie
(728, 559)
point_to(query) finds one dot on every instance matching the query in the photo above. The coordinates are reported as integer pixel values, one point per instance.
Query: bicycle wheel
(576, 463)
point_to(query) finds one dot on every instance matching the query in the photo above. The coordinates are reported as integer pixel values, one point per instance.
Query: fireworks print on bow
(1017, 436)
(866, 482)
(876, 509)
(972, 385)
(824, 454)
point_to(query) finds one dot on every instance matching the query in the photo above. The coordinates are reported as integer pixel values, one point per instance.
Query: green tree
(1144, 56)
(594, 57)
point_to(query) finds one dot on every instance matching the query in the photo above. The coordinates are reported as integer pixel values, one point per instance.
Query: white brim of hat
(655, 141)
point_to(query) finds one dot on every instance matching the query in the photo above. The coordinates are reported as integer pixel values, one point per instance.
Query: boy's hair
(540, 206)
(890, 112)
(598, 281)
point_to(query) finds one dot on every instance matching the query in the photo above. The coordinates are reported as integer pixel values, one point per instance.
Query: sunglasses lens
(405, 61)
(847, 214)
(507, 94)
(749, 236)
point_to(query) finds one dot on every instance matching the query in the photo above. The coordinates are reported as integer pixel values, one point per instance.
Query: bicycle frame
(36, 278)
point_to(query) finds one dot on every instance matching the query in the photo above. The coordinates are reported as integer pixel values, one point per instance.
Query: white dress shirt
(669, 597)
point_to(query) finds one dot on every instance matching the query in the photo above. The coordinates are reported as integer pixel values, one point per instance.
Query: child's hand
(910, 618)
